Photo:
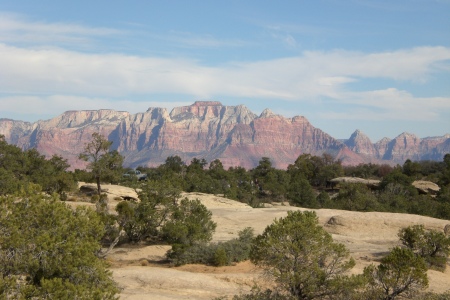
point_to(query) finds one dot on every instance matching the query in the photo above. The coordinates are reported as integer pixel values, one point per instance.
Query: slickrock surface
(143, 274)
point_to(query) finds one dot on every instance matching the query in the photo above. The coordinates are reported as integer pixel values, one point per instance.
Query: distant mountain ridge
(210, 130)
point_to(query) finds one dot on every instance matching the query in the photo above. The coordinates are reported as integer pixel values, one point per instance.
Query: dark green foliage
(162, 216)
(49, 250)
(270, 182)
(400, 274)
(17, 168)
(8, 183)
(355, 196)
(444, 195)
(367, 171)
(445, 177)
(300, 193)
(412, 169)
(324, 200)
(143, 221)
(217, 254)
(267, 184)
(12, 159)
(431, 245)
(317, 170)
(190, 222)
(242, 185)
(220, 257)
(393, 198)
(302, 181)
(397, 178)
(326, 168)
(82, 175)
(174, 164)
(302, 258)
(302, 167)
(50, 174)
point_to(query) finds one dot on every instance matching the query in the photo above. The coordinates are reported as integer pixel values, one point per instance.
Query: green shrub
(49, 251)
(400, 274)
(217, 254)
(220, 257)
(431, 245)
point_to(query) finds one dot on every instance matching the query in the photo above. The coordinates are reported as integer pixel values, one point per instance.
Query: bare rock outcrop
(447, 230)
(426, 187)
(372, 183)
(360, 143)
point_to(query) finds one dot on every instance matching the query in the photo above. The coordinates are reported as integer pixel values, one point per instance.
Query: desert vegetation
(305, 263)
(306, 183)
(48, 250)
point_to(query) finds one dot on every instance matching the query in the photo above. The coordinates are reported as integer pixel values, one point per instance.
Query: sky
(382, 66)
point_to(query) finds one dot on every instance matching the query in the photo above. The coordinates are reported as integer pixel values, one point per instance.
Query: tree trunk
(99, 190)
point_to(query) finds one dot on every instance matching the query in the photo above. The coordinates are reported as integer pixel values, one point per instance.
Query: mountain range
(210, 130)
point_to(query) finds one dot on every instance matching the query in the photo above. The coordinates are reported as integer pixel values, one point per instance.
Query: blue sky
(379, 66)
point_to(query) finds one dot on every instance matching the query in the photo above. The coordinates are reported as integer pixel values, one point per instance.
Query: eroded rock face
(360, 143)
(398, 150)
(210, 130)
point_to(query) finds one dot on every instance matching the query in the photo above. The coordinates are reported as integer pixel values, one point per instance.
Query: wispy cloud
(18, 29)
(389, 104)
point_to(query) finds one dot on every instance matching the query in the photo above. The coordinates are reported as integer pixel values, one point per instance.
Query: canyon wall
(210, 130)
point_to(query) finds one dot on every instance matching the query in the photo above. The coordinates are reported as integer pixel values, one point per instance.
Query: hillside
(142, 272)
(210, 130)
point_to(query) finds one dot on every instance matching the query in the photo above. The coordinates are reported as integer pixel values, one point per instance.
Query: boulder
(426, 187)
(447, 230)
(336, 220)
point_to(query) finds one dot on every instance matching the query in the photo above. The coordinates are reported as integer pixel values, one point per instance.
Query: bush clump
(214, 254)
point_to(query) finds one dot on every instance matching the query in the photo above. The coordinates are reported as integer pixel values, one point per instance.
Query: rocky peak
(266, 113)
(237, 115)
(200, 109)
(206, 103)
(71, 119)
(406, 139)
(358, 136)
(13, 130)
(382, 147)
(157, 113)
(383, 141)
(360, 143)
(403, 147)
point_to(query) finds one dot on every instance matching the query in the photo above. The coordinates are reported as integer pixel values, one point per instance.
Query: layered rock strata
(210, 130)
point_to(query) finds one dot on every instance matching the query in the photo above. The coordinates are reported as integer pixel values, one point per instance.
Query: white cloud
(307, 77)
(390, 104)
(409, 64)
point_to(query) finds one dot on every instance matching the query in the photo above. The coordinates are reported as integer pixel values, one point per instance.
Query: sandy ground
(143, 274)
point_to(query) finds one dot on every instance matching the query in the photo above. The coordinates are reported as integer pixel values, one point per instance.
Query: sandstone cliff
(210, 130)
(403, 147)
